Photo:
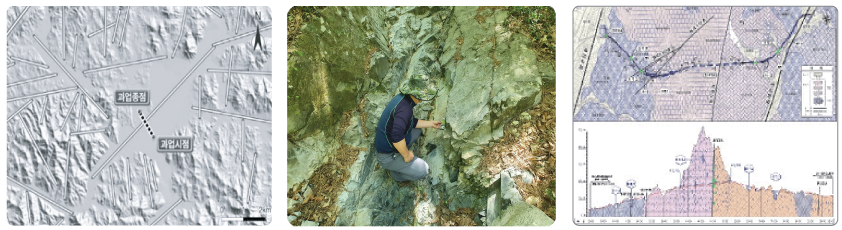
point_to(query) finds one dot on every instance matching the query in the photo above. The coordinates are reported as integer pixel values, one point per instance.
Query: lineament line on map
(645, 72)
(167, 97)
(79, 86)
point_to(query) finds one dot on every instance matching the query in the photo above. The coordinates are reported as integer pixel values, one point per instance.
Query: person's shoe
(390, 175)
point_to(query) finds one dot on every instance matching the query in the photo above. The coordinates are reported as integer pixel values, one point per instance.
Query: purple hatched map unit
(706, 64)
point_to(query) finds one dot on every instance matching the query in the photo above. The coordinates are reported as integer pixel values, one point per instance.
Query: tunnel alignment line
(673, 72)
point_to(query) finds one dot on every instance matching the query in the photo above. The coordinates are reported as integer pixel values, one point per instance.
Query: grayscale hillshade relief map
(705, 63)
(139, 115)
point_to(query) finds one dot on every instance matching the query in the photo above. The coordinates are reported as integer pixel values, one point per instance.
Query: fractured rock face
(353, 136)
(306, 156)
(508, 190)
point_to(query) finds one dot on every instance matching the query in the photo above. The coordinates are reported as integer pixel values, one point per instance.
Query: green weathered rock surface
(487, 80)
(522, 214)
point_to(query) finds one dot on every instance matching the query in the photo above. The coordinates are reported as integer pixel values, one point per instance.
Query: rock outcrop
(523, 214)
(354, 62)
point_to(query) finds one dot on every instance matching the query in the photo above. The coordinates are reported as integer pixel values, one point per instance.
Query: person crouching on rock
(398, 129)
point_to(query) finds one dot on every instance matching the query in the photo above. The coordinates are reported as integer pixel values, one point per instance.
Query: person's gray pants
(416, 169)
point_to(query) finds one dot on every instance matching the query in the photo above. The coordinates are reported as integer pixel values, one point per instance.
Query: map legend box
(816, 91)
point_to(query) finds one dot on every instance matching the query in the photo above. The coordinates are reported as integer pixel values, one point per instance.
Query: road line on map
(238, 72)
(182, 81)
(181, 34)
(145, 175)
(243, 142)
(111, 181)
(239, 36)
(114, 177)
(26, 200)
(200, 97)
(239, 18)
(214, 11)
(63, 33)
(125, 27)
(100, 29)
(73, 105)
(75, 45)
(152, 172)
(126, 169)
(41, 94)
(18, 111)
(67, 169)
(37, 150)
(228, 84)
(105, 32)
(253, 171)
(719, 67)
(32, 79)
(17, 20)
(129, 178)
(588, 61)
(83, 101)
(141, 61)
(99, 169)
(39, 65)
(167, 212)
(778, 83)
(123, 144)
(149, 183)
(68, 74)
(116, 20)
(87, 132)
(234, 115)
(44, 112)
(151, 176)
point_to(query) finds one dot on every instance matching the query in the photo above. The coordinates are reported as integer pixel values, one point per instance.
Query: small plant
(299, 53)
(550, 194)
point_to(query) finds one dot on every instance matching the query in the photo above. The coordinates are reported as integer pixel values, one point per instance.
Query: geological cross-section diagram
(139, 115)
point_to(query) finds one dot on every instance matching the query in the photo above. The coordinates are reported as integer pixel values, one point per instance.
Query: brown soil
(481, 17)
(294, 25)
(540, 30)
(368, 59)
(458, 56)
(461, 217)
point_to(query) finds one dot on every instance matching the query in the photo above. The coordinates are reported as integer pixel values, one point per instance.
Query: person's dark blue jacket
(394, 127)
